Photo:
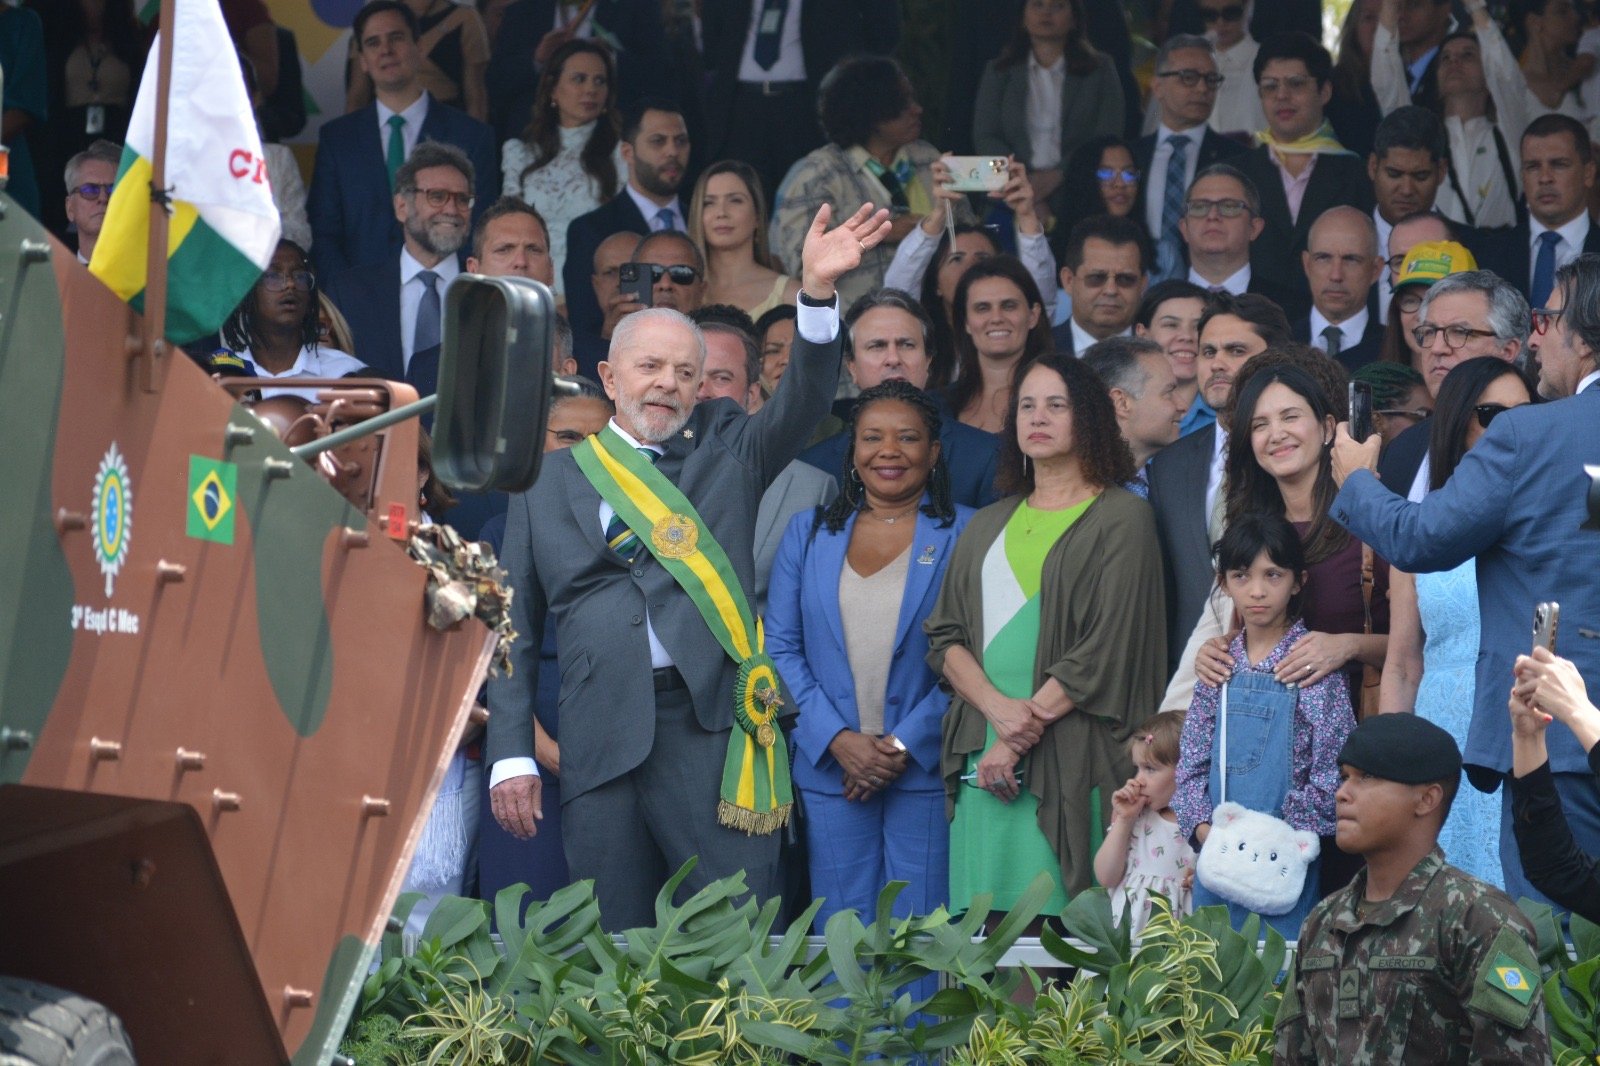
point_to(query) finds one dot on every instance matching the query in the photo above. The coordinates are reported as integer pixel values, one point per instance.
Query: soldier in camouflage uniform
(1414, 962)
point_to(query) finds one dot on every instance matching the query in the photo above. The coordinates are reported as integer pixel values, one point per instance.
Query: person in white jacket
(1486, 106)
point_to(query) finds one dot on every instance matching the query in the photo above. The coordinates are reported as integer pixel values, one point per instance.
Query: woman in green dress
(1050, 633)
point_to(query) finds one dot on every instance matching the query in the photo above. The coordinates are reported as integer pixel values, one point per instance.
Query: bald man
(1342, 263)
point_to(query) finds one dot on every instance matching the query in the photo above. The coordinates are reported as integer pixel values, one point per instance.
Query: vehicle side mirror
(494, 383)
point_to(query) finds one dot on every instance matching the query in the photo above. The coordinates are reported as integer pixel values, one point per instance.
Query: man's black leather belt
(773, 88)
(668, 679)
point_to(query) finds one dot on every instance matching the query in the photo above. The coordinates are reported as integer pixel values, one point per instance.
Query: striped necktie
(1169, 242)
(623, 540)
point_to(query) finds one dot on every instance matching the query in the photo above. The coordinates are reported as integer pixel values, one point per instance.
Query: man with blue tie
(655, 146)
(360, 154)
(1558, 170)
(1517, 503)
(394, 306)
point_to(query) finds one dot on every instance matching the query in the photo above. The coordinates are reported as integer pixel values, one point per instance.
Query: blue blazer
(350, 206)
(1515, 503)
(369, 296)
(805, 637)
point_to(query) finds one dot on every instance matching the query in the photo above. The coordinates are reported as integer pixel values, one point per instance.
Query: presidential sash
(756, 794)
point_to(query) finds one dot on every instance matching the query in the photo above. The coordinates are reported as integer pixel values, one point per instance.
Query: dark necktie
(769, 32)
(623, 540)
(1169, 252)
(1544, 269)
(427, 332)
(397, 147)
(1332, 340)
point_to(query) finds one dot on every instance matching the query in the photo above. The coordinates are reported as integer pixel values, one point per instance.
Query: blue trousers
(1580, 802)
(857, 848)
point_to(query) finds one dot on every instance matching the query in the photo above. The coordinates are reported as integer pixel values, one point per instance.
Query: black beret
(1404, 748)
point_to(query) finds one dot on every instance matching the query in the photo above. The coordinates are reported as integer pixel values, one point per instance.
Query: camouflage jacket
(1444, 971)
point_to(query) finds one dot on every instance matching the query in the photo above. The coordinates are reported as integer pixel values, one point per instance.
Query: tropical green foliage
(1572, 989)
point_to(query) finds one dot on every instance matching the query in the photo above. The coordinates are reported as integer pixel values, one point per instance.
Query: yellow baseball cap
(1429, 261)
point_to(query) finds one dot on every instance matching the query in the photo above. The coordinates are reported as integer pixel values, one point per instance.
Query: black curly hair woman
(865, 433)
(274, 329)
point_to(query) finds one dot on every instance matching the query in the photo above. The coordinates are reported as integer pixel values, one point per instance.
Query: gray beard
(650, 428)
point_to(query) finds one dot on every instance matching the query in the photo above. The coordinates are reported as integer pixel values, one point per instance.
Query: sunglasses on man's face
(1231, 13)
(680, 274)
(94, 190)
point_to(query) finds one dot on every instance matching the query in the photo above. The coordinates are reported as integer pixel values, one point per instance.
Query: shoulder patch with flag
(1513, 978)
(223, 227)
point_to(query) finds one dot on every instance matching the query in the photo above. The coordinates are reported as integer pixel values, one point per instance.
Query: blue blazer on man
(369, 297)
(805, 637)
(1516, 503)
(350, 205)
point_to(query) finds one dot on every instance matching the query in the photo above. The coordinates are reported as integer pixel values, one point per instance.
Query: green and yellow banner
(756, 795)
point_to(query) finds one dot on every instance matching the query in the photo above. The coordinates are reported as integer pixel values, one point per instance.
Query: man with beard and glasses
(637, 543)
(395, 307)
(655, 146)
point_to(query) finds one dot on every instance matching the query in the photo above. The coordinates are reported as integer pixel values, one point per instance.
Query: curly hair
(544, 127)
(940, 505)
(1096, 438)
(239, 331)
(860, 94)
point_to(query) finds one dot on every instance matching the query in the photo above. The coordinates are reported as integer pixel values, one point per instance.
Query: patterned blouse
(1322, 721)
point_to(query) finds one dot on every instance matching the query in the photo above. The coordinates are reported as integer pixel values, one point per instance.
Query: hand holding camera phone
(1360, 411)
(977, 173)
(636, 280)
(1546, 617)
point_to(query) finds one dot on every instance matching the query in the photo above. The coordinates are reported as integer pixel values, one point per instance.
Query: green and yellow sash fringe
(756, 794)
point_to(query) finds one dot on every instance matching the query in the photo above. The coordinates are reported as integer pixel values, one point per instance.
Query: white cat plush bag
(1253, 859)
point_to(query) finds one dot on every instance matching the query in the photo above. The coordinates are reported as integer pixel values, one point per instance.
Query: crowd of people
(901, 533)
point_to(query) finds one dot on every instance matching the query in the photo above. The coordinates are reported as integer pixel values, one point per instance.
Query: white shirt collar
(1350, 330)
(1236, 283)
(1058, 67)
(1588, 379)
(634, 441)
(1082, 340)
(1164, 133)
(447, 268)
(1574, 232)
(414, 115)
(649, 208)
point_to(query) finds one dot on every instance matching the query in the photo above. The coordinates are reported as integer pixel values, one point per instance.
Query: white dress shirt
(1573, 234)
(411, 296)
(1350, 330)
(415, 116)
(1235, 284)
(1219, 459)
(650, 209)
(322, 363)
(791, 62)
(1386, 279)
(1044, 111)
(1238, 107)
(1083, 340)
(913, 255)
(1155, 179)
(1588, 379)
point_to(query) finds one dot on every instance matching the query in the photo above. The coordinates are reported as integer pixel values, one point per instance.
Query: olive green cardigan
(1102, 635)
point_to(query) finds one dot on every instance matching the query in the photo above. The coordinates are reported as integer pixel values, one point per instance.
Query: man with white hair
(637, 543)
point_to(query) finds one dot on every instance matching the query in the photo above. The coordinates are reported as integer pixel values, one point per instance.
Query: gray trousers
(631, 834)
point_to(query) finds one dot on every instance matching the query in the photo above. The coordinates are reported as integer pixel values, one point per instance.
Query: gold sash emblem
(675, 536)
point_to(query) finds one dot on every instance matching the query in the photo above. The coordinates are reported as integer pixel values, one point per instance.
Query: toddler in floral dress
(1144, 851)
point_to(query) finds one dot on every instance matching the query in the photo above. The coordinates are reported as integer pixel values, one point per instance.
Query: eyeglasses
(1295, 83)
(1098, 279)
(440, 197)
(1408, 301)
(1188, 77)
(1544, 316)
(1395, 262)
(680, 275)
(1110, 174)
(277, 281)
(1485, 412)
(1455, 337)
(94, 190)
(1231, 13)
(1416, 415)
(1225, 208)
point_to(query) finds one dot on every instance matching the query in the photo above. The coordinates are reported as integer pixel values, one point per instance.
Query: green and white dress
(997, 847)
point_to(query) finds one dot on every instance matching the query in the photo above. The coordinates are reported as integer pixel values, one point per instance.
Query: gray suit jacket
(801, 487)
(1178, 494)
(558, 561)
(1091, 106)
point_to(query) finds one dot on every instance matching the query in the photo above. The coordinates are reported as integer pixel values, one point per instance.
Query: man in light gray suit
(646, 697)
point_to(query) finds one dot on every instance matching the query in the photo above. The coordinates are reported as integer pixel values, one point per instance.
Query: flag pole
(155, 286)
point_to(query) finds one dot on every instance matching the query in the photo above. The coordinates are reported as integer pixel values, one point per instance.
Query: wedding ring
(863, 245)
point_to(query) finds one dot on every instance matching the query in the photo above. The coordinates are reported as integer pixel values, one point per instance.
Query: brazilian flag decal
(212, 487)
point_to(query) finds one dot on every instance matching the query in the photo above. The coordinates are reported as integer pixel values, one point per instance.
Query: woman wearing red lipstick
(1050, 632)
(728, 222)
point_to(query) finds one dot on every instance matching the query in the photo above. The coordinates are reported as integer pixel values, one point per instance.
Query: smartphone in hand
(637, 280)
(1546, 616)
(1360, 410)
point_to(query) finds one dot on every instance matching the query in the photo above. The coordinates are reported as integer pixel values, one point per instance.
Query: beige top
(869, 608)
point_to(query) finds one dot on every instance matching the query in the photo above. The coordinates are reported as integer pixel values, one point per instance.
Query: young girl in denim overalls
(1283, 741)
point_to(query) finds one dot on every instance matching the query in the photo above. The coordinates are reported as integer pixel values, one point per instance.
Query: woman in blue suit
(849, 591)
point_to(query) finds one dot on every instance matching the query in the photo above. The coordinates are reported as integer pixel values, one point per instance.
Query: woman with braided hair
(1400, 398)
(850, 589)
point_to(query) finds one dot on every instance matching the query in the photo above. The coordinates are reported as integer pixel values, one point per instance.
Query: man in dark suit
(1516, 503)
(887, 334)
(1186, 477)
(1293, 73)
(1184, 91)
(1103, 269)
(1221, 220)
(1341, 263)
(647, 689)
(394, 306)
(1421, 29)
(358, 154)
(1558, 170)
(766, 60)
(1408, 163)
(655, 145)
(531, 31)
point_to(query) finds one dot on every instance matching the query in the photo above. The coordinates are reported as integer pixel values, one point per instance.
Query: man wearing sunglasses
(677, 273)
(90, 175)
(1184, 91)
(1238, 107)
(1103, 270)
(1517, 503)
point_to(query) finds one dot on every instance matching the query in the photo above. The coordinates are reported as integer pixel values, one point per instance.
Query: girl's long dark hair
(1252, 490)
(940, 505)
(969, 382)
(1453, 410)
(1096, 439)
(1263, 531)
(544, 129)
(1080, 194)
(942, 355)
(239, 331)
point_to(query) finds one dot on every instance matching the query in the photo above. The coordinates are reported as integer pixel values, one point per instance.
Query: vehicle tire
(45, 1026)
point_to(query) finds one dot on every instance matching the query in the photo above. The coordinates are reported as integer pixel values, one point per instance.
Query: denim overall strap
(1258, 714)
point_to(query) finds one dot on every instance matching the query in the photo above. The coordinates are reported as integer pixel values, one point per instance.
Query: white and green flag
(223, 226)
